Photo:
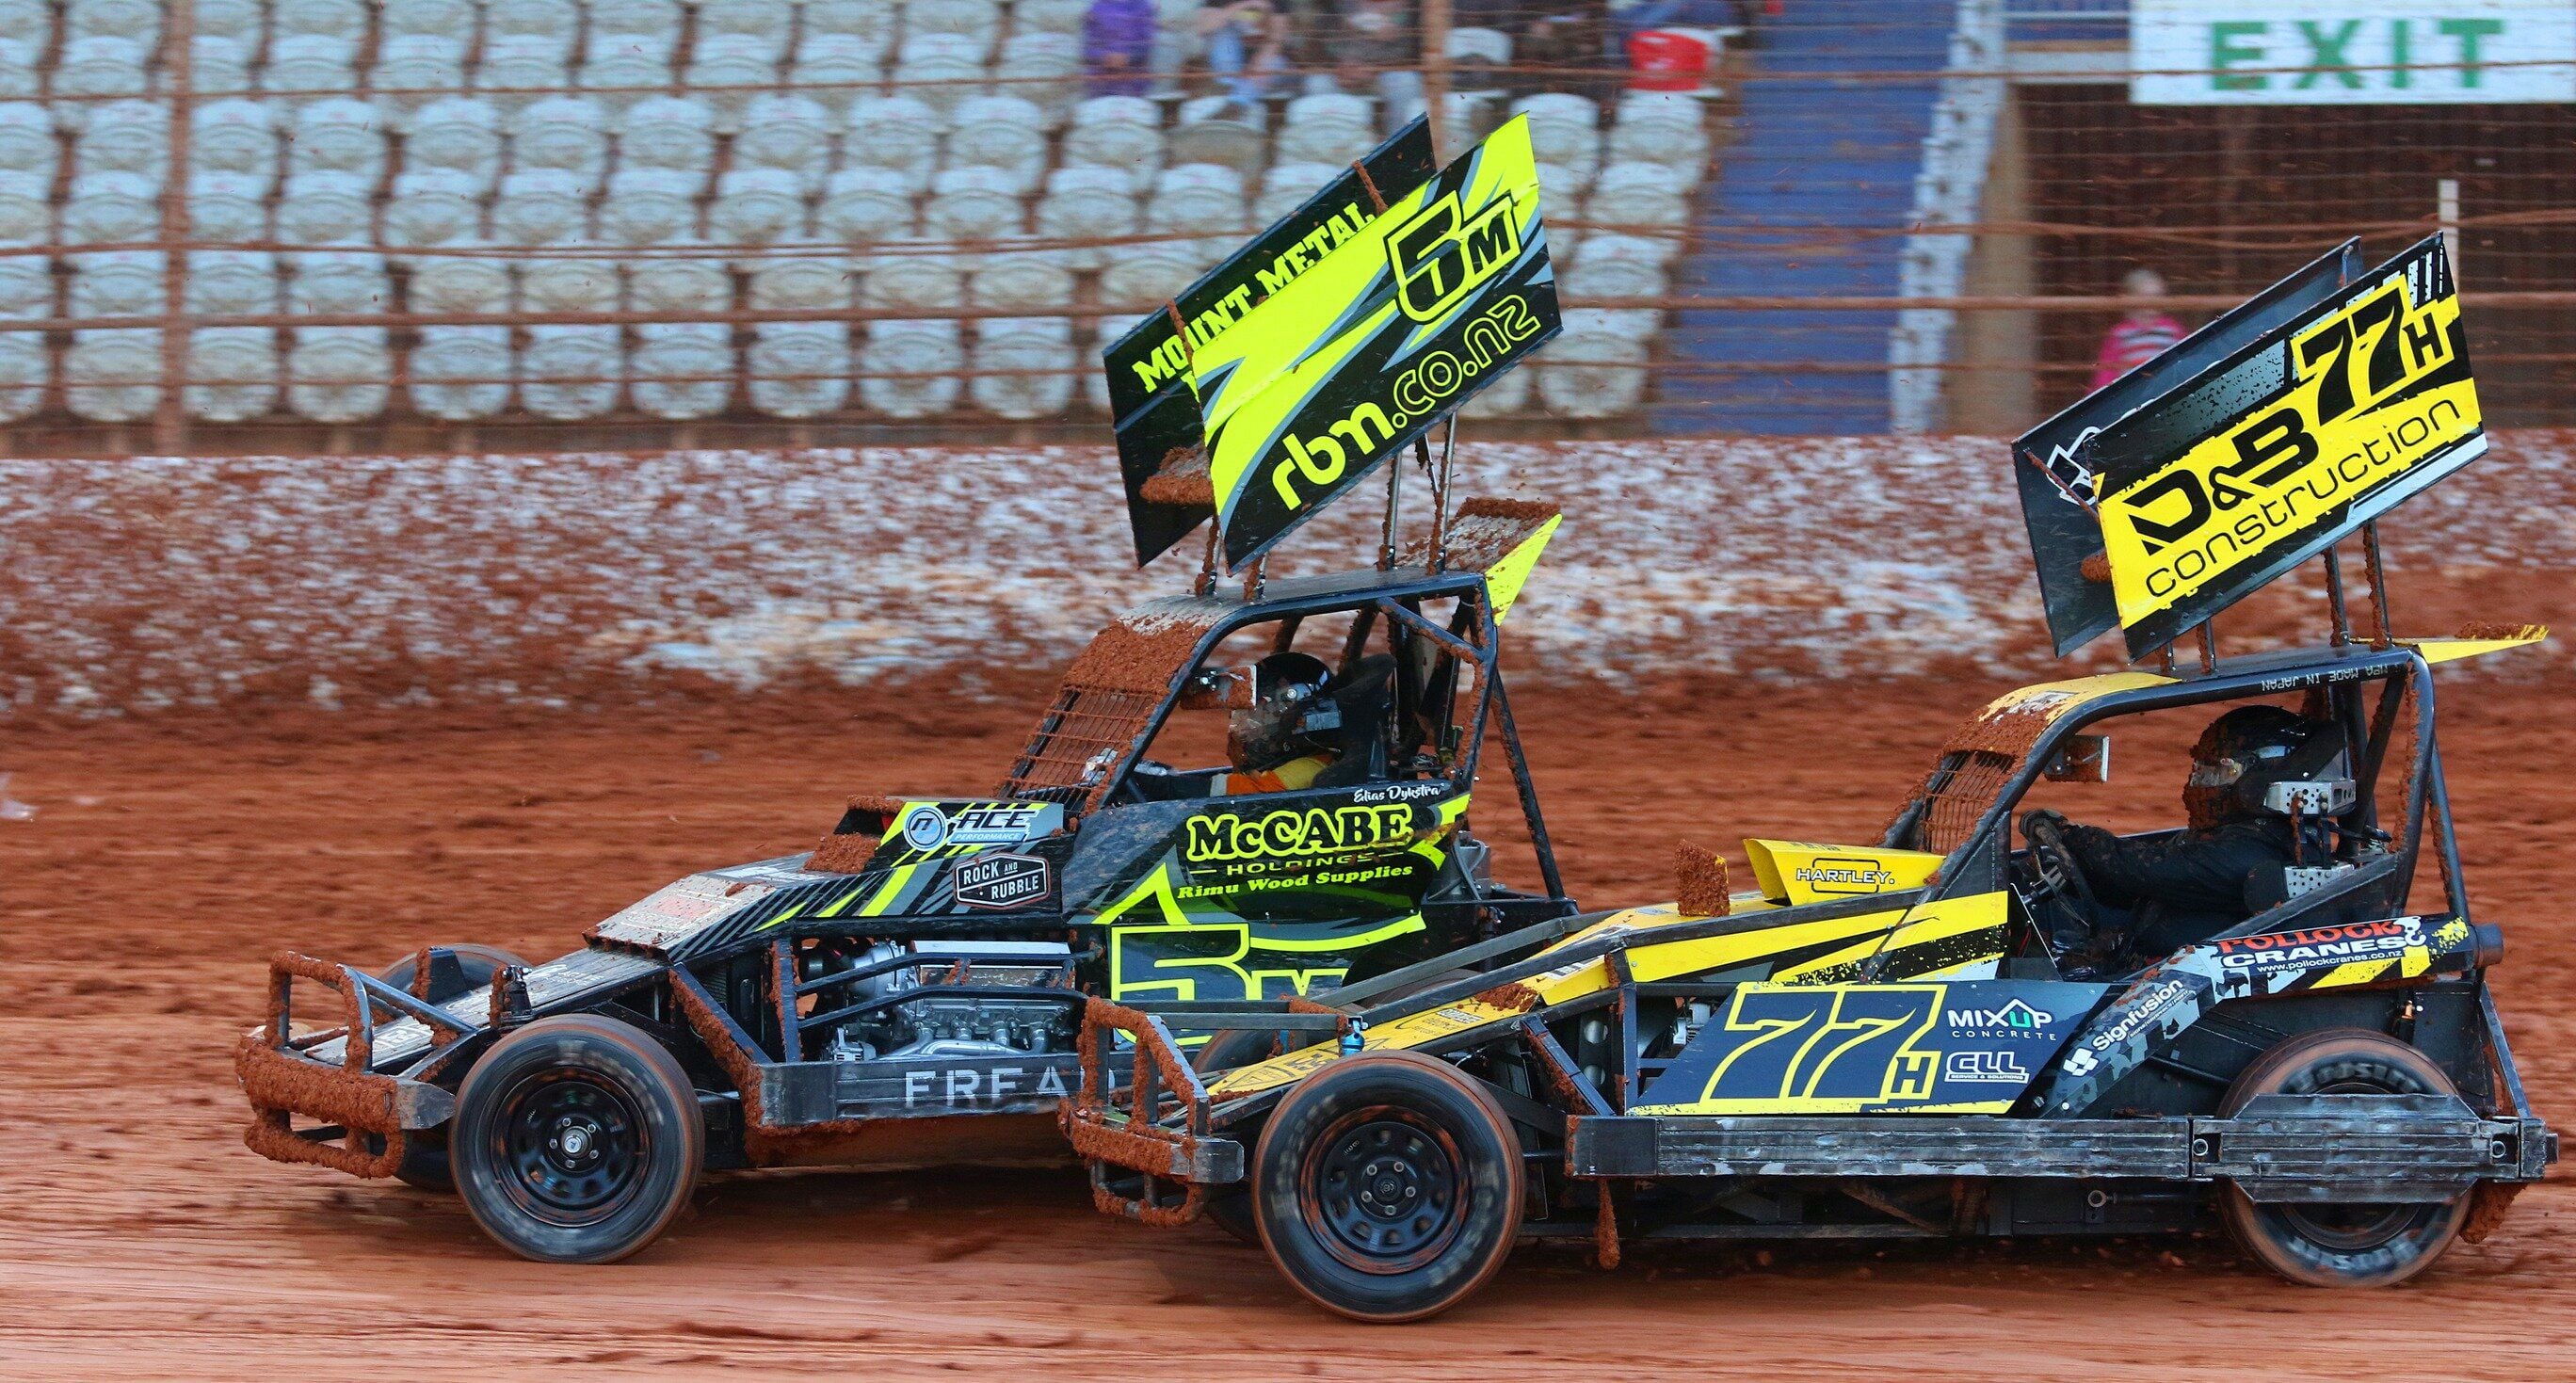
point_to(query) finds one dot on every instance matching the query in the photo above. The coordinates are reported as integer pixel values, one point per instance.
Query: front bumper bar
(367, 1115)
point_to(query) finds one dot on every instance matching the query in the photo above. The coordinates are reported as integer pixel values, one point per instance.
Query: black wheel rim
(2350, 1228)
(1385, 1191)
(573, 1147)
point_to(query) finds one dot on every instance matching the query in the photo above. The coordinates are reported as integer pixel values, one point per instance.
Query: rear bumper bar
(2351, 1148)
(1148, 1139)
(366, 1115)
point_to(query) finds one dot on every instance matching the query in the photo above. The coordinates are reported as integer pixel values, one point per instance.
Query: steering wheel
(2054, 864)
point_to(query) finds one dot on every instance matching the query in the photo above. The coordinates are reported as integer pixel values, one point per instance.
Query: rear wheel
(577, 1140)
(1388, 1187)
(2367, 1245)
(1229, 1208)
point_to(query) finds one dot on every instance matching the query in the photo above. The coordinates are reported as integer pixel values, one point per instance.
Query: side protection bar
(2316, 1148)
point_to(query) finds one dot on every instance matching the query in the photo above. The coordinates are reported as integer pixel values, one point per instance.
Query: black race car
(912, 990)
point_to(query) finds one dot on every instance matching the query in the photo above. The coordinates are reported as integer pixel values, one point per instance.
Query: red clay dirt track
(139, 1238)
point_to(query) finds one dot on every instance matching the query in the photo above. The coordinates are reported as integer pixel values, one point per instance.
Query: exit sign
(2351, 52)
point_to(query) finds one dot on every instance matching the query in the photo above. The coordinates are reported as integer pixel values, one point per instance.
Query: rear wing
(2250, 447)
(1149, 387)
(1350, 360)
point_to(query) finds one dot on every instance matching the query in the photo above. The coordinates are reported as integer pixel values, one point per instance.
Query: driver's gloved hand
(2037, 815)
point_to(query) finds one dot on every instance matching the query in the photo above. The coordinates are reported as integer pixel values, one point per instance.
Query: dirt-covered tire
(480, 964)
(1388, 1187)
(577, 1139)
(1229, 1208)
(2341, 1245)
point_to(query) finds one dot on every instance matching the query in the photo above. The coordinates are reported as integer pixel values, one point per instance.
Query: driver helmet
(1289, 715)
(2237, 757)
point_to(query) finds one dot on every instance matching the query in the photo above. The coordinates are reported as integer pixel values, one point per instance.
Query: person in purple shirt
(1118, 46)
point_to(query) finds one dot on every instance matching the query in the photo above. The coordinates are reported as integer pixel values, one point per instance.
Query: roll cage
(1107, 744)
(1980, 864)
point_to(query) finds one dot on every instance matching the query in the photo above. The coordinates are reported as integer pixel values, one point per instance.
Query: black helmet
(2240, 755)
(1289, 713)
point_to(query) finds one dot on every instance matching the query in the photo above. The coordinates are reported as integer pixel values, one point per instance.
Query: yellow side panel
(2453, 650)
(1403, 1034)
(1973, 928)
(1975, 924)
(1648, 961)
(1795, 872)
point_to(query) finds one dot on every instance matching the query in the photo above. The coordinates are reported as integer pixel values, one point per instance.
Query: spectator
(1373, 45)
(1629, 18)
(2147, 332)
(1118, 46)
(1564, 42)
(1246, 48)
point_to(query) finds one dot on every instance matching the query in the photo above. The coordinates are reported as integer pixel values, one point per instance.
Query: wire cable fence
(337, 225)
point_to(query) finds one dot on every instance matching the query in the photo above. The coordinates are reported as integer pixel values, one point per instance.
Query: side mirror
(2082, 759)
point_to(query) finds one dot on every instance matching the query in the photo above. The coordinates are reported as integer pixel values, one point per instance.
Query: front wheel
(1388, 1187)
(577, 1139)
(1229, 1208)
(2337, 1245)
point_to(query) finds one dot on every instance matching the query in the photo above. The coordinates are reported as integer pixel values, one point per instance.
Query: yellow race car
(1947, 1032)
(1881, 1042)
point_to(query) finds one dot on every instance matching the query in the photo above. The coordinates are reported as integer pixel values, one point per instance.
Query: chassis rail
(368, 1115)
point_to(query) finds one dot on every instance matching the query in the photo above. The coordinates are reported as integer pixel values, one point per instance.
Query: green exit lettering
(2348, 53)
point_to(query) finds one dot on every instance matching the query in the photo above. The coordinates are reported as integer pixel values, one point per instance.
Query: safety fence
(349, 225)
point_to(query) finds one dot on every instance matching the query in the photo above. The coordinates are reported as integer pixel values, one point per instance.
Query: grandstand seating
(474, 157)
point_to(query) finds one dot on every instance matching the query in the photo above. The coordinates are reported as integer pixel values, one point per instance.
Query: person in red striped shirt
(2140, 336)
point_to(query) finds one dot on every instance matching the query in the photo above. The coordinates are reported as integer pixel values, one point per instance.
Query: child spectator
(2140, 336)
(1118, 46)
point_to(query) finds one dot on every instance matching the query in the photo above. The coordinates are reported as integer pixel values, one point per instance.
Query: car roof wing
(2249, 448)
(1284, 404)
